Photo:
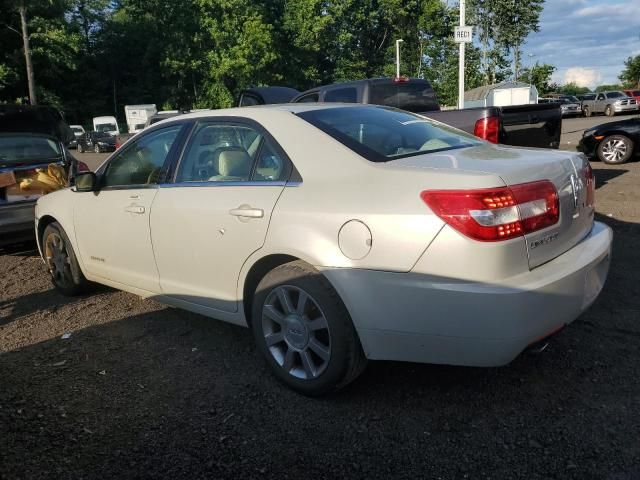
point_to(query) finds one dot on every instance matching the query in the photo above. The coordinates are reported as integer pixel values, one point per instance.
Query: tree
(607, 88)
(630, 76)
(494, 55)
(504, 26)
(540, 76)
(572, 88)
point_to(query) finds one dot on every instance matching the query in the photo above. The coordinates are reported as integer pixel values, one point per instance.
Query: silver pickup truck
(609, 103)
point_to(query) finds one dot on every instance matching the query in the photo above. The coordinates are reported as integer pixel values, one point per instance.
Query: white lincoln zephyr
(338, 233)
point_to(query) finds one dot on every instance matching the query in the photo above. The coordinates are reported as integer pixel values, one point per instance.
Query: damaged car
(33, 162)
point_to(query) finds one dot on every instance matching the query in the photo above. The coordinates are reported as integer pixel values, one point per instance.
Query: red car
(633, 93)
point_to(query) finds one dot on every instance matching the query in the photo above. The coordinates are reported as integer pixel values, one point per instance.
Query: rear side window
(230, 152)
(344, 95)
(410, 96)
(381, 134)
(249, 100)
(311, 98)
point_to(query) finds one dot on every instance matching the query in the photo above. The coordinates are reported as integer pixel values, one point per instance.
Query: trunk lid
(567, 171)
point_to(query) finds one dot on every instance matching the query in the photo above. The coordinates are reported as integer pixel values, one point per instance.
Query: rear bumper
(419, 318)
(16, 222)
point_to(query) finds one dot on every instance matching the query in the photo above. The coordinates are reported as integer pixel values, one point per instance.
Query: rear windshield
(410, 96)
(381, 134)
(20, 149)
(106, 127)
(101, 135)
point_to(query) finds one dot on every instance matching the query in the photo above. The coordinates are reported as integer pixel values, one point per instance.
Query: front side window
(228, 152)
(142, 161)
(380, 134)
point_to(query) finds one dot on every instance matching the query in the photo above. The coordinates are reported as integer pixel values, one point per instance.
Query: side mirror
(86, 182)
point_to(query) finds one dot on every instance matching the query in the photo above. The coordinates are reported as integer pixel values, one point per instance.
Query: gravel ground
(141, 390)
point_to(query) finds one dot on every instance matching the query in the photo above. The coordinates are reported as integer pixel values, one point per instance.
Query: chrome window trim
(279, 183)
(139, 186)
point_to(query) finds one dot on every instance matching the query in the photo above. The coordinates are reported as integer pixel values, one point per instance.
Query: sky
(587, 40)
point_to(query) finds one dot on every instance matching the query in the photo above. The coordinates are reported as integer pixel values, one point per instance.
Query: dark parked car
(33, 162)
(613, 143)
(521, 125)
(98, 142)
(266, 96)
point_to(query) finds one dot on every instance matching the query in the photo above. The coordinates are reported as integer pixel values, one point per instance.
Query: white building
(501, 95)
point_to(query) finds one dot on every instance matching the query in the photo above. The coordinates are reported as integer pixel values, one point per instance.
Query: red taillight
(400, 79)
(83, 167)
(591, 186)
(494, 214)
(488, 128)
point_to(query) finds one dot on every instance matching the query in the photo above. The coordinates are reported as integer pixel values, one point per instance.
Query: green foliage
(92, 57)
(540, 76)
(608, 88)
(572, 88)
(630, 76)
(503, 27)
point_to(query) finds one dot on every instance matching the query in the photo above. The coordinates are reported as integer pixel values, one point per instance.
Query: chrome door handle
(247, 211)
(134, 209)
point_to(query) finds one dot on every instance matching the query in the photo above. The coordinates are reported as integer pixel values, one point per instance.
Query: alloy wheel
(57, 259)
(296, 332)
(614, 150)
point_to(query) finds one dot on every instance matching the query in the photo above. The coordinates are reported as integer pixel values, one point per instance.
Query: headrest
(234, 163)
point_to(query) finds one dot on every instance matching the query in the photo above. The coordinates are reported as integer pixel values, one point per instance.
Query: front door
(112, 224)
(216, 214)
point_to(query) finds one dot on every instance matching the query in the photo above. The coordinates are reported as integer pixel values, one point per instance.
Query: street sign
(463, 35)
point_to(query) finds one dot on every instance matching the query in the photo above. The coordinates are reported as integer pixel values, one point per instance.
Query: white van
(137, 116)
(106, 124)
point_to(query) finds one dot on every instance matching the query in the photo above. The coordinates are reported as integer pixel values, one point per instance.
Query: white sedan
(338, 233)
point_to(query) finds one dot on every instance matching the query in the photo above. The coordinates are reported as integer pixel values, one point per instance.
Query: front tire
(609, 111)
(61, 261)
(615, 149)
(587, 112)
(304, 331)
(80, 148)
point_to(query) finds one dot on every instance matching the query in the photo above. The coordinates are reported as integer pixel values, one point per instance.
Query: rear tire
(304, 331)
(61, 261)
(615, 149)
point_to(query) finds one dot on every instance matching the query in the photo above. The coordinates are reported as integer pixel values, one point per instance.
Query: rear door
(216, 213)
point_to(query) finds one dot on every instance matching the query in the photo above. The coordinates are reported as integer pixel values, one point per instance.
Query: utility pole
(461, 59)
(22, 9)
(398, 42)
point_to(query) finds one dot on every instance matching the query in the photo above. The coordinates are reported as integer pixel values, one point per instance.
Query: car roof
(282, 107)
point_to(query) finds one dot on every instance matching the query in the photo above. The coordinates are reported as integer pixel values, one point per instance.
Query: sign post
(462, 36)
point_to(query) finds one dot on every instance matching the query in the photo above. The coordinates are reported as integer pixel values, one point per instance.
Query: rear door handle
(134, 209)
(247, 211)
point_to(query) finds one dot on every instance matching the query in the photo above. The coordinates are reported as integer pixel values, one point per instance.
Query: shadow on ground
(169, 394)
